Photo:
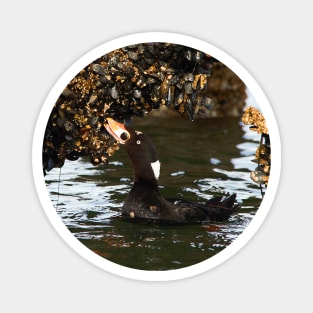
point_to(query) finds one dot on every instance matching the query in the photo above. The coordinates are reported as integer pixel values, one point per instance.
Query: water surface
(199, 159)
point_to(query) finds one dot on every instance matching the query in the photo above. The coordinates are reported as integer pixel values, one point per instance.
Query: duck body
(145, 202)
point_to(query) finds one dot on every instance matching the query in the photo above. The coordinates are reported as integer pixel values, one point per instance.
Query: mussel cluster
(132, 81)
(254, 117)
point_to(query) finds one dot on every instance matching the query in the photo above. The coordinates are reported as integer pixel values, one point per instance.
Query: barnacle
(130, 81)
(257, 122)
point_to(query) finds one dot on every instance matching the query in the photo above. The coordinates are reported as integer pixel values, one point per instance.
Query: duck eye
(138, 142)
(124, 136)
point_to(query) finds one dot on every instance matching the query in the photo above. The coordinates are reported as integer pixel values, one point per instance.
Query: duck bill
(116, 129)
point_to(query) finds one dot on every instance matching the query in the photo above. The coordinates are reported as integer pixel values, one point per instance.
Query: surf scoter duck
(145, 201)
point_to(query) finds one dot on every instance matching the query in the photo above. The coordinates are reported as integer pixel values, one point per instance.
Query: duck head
(140, 149)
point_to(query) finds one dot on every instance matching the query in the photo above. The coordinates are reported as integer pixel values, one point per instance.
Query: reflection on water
(198, 160)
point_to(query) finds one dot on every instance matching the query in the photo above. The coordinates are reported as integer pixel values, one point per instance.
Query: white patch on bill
(156, 168)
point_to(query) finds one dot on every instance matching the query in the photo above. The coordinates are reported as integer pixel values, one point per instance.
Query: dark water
(198, 160)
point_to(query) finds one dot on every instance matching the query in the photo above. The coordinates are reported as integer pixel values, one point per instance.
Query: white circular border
(56, 220)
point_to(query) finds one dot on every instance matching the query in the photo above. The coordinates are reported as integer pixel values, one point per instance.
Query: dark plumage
(145, 201)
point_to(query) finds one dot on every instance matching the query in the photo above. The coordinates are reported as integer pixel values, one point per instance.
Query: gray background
(40, 40)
